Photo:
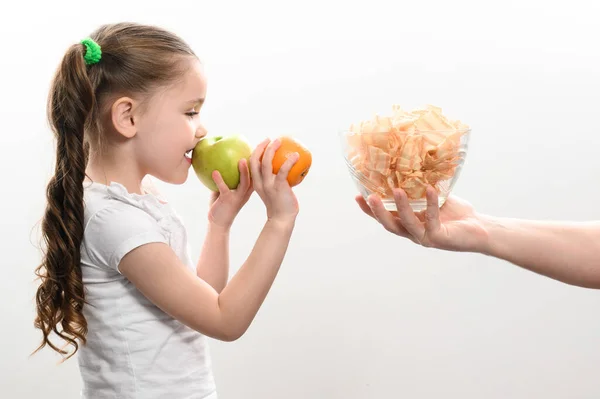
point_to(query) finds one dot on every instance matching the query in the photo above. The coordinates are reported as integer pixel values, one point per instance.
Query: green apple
(222, 153)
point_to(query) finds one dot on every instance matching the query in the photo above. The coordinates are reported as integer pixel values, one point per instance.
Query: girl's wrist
(218, 228)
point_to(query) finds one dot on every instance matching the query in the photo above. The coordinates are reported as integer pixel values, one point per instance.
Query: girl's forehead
(192, 84)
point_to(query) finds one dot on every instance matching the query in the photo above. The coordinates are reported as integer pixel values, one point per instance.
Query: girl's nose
(200, 132)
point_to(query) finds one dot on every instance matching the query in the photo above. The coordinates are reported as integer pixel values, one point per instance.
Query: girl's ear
(122, 117)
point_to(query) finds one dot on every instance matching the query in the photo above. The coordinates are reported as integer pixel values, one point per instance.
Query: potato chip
(408, 150)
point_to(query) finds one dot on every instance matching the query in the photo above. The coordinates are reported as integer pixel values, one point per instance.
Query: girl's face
(170, 127)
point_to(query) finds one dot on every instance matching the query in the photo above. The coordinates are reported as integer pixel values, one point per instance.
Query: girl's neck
(107, 172)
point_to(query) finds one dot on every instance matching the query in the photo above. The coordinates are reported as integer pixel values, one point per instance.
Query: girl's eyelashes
(191, 114)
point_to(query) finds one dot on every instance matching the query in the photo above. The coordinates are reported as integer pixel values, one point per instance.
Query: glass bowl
(381, 161)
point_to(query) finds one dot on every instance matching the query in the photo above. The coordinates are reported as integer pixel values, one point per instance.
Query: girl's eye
(192, 114)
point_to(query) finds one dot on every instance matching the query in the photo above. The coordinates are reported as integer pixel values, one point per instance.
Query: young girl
(118, 283)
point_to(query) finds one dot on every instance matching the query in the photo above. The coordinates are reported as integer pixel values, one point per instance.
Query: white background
(355, 312)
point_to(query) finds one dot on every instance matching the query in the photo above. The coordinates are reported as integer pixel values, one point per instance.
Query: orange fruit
(300, 169)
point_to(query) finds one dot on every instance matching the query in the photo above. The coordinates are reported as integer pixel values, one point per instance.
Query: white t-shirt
(134, 349)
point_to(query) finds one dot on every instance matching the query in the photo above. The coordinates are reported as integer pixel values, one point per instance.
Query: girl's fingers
(267, 160)
(255, 163)
(218, 179)
(282, 174)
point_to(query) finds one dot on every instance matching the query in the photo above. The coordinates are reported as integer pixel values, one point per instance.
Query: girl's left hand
(226, 203)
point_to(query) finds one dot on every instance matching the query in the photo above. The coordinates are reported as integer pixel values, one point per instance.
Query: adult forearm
(568, 252)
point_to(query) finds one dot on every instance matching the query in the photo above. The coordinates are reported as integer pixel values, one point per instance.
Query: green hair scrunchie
(93, 52)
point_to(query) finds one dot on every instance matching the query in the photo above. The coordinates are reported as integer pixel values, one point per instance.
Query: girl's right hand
(274, 190)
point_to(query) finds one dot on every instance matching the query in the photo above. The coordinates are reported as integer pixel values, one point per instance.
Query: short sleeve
(116, 230)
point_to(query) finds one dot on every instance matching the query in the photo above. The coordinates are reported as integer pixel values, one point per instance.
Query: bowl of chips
(406, 150)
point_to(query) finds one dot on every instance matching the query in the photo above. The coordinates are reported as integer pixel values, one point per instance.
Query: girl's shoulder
(116, 221)
(98, 196)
